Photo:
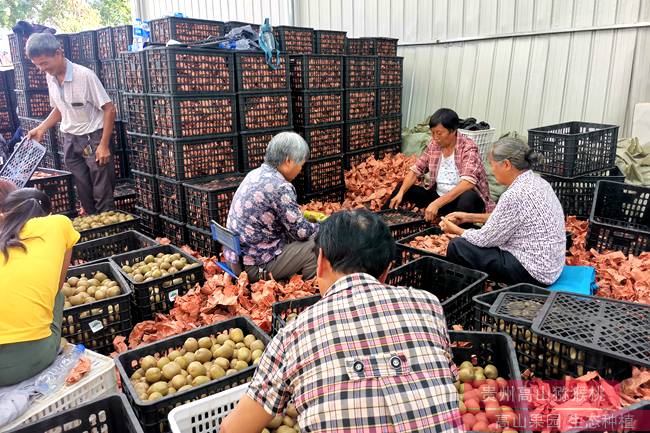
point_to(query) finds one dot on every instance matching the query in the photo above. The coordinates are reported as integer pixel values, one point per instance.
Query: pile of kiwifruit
(107, 218)
(195, 363)
(158, 266)
(83, 290)
(284, 424)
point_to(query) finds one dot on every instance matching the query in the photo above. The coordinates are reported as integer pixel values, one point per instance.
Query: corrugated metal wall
(467, 54)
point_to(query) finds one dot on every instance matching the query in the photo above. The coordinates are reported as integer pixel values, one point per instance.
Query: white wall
(497, 60)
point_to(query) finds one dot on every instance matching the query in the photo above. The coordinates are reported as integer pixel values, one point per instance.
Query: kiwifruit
(236, 335)
(196, 369)
(153, 374)
(147, 362)
(203, 355)
(170, 370)
(191, 345)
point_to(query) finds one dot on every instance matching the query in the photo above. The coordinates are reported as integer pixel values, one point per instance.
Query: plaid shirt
(366, 358)
(468, 162)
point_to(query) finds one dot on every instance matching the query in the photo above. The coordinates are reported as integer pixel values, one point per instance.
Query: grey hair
(516, 151)
(286, 145)
(42, 44)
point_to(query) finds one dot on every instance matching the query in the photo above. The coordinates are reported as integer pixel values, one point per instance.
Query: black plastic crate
(402, 223)
(28, 77)
(121, 162)
(59, 187)
(110, 414)
(191, 158)
(172, 198)
(389, 101)
(316, 72)
(620, 218)
(407, 253)
(122, 38)
(386, 47)
(255, 75)
(111, 229)
(6, 123)
(138, 113)
(519, 308)
(209, 199)
(184, 29)
(322, 107)
(320, 174)
(51, 160)
(149, 221)
(389, 71)
(105, 48)
(384, 150)
(360, 72)
(134, 72)
(110, 75)
(323, 140)
(454, 285)
(93, 65)
(600, 326)
(99, 250)
(389, 130)
(146, 185)
(97, 323)
(173, 230)
(360, 104)
(333, 195)
(263, 111)
(576, 194)
(125, 195)
(544, 358)
(229, 25)
(33, 103)
(352, 159)
(201, 241)
(153, 414)
(17, 48)
(52, 139)
(574, 148)
(360, 135)
(294, 40)
(360, 46)
(142, 156)
(329, 42)
(83, 46)
(176, 70)
(158, 295)
(281, 310)
(495, 349)
(193, 116)
(253, 147)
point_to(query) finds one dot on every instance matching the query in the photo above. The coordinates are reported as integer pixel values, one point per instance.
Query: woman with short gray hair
(274, 236)
(523, 239)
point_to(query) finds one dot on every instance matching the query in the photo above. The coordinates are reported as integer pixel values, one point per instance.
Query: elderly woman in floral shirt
(275, 238)
(458, 177)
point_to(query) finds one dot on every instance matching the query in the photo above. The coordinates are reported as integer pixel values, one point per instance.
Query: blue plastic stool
(576, 279)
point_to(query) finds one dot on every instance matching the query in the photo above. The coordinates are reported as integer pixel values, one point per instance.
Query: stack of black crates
(373, 80)
(8, 120)
(316, 68)
(110, 42)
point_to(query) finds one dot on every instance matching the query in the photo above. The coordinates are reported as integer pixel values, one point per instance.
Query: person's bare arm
(50, 121)
(103, 153)
(409, 180)
(464, 217)
(66, 263)
(247, 417)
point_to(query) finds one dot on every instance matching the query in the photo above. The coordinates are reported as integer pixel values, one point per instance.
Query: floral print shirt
(265, 214)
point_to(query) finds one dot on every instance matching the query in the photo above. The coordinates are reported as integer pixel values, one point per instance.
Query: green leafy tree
(66, 15)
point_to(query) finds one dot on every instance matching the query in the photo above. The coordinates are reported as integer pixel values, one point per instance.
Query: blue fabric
(576, 279)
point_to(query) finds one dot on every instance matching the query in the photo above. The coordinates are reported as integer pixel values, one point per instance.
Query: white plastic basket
(205, 415)
(100, 380)
(483, 139)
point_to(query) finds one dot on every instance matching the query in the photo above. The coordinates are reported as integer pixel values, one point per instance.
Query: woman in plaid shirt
(367, 357)
(456, 169)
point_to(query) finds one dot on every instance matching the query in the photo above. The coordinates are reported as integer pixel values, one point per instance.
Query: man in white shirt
(87, 115)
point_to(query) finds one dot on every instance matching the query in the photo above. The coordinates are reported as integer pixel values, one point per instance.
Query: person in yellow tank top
(35, 251)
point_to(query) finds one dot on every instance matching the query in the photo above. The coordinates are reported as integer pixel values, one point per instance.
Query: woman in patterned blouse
(523, 239)
(456, 169)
